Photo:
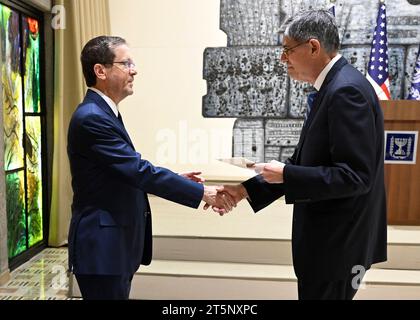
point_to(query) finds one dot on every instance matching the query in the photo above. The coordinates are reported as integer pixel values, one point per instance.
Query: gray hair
(314, 24)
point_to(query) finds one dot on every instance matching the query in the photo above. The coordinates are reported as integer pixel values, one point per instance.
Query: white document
(259, 167)
(239, 162)
(277, 162)
(248, 164)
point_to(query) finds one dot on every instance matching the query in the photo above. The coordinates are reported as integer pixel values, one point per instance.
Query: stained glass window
(12, 89)
(22, 117)
(34, 179)
(30, 46)
(16, 219)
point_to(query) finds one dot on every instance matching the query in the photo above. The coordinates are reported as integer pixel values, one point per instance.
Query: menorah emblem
(400, 142)
(401, 147)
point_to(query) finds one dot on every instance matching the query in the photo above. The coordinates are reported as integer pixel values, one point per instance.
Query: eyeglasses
(286, 51)
(128, 65)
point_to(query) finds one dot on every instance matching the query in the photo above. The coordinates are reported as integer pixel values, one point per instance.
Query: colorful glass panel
(12, 89)
(34, 178)
(31, 41)
(16, 218)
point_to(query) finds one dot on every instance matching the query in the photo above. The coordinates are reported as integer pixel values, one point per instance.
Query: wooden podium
(402, 181)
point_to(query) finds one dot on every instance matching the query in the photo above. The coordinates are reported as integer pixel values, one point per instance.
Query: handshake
(223, 199)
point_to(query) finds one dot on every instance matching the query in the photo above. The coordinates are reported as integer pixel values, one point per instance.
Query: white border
(416, 134)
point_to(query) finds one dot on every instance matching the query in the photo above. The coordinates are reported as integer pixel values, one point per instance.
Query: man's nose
(283, 57)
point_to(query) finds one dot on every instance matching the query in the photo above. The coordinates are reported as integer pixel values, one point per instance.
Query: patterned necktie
(311, 99)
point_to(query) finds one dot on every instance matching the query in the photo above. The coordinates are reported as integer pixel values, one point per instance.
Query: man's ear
(100, 71)
(315, 46)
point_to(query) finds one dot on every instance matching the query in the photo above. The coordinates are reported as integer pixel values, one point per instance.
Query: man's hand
(235, 192)
(271, 172)
(214, 198)
(193, 176)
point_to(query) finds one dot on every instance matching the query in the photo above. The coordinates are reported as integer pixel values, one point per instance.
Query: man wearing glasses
(335, 178)
(111, 227)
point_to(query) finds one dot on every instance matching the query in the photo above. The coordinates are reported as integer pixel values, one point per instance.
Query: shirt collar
(107, 99)
(320, 80)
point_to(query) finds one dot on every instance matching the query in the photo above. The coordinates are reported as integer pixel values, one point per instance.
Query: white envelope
(260, 166)
(239, 162)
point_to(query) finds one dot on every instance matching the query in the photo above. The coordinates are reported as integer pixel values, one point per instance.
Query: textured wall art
(246, 80)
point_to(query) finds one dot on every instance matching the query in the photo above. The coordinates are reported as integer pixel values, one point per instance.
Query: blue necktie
(311, 99)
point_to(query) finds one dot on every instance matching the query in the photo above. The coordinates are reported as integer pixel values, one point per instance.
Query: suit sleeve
(262, 193)
(352, 141)
(104, 143)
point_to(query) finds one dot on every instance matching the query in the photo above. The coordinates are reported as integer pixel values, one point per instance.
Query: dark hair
(98, 50)
(315, 24)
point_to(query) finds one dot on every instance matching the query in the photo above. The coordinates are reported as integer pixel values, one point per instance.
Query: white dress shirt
(108, 100)
(320, 80)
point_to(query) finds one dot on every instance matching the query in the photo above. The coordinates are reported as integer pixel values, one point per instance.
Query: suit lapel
(322, 91)
(106, 108)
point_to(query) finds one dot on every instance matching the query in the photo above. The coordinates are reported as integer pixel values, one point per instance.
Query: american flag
(378, 73)
(414, 93)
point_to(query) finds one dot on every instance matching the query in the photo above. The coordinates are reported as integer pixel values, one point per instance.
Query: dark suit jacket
(111, 226)
(335, 179)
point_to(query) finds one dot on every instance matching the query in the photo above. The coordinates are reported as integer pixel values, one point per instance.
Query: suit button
(146, 213)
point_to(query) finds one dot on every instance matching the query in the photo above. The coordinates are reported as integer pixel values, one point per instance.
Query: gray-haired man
(335, 178)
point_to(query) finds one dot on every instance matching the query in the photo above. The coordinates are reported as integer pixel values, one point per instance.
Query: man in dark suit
(111, 227)
(335, 178)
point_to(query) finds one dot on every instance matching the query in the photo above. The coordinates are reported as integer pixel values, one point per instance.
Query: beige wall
(163, 116)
